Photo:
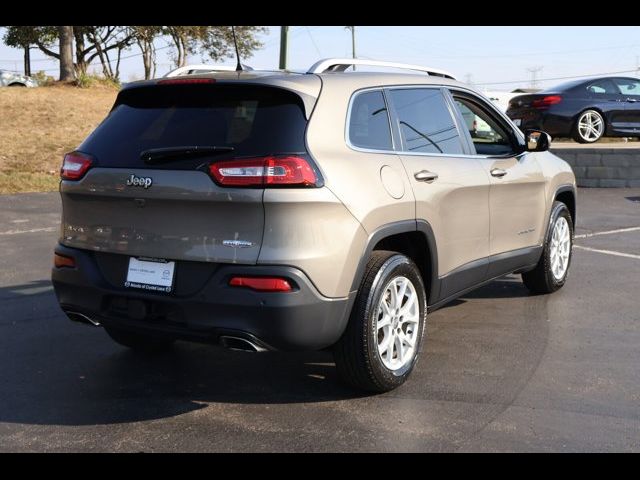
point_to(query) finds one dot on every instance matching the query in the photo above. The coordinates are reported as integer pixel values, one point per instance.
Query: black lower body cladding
(203, 306)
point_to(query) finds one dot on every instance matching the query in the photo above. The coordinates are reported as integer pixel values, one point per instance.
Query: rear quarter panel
(354, 176)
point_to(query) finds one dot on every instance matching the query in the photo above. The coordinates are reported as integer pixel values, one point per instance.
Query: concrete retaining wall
(603, 167)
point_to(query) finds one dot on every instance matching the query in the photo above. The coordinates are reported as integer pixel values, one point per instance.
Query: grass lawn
(39, 125)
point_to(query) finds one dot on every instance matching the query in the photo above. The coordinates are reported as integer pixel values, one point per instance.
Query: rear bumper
(554, 125)
(298, 320)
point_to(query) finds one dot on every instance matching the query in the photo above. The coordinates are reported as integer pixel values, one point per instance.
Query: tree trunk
(27, 61)
(81, 63)
(182, 56)
(148, 57)
(67, 73)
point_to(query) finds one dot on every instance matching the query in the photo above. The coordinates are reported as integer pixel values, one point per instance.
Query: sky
(494, 58)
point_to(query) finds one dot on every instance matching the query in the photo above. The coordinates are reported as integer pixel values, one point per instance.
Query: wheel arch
(412, 238)
(567, 195)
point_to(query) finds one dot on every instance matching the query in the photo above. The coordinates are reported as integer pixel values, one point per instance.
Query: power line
(534, 75)
(314, 42)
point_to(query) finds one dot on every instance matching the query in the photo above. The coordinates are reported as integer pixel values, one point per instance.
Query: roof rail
(202, 68)
(341, 64)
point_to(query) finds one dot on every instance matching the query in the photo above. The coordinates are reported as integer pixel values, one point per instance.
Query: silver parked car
(13, 79)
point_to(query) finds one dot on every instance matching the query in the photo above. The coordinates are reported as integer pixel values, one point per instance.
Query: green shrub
(43, 79)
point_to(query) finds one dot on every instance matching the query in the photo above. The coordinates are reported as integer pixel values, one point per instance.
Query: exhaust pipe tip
(81, 318)
(241, 344)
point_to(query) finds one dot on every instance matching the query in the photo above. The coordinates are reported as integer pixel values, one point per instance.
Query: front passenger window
(489, 137)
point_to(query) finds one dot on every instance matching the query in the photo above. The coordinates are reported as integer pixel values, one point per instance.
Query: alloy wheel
(590, 126)
(560, 248)
(397, 323)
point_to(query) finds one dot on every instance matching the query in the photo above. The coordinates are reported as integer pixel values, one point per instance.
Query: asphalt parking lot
(500, 370)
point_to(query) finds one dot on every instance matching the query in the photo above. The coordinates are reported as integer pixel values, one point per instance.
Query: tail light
(262, 284)
(546, 102)
(62, 261)
(287, 171)
(75, 165)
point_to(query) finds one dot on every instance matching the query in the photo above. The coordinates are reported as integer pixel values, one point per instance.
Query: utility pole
(353, 42)
(284, 34)
(534, 75)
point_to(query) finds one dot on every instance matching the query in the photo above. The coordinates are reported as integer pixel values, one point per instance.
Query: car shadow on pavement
(506, 287)
(56, 372)
(510, 286)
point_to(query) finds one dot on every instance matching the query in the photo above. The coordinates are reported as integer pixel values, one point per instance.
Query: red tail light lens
(75, 165)
(62, 261)
(262, 284)
(290, 171)
(546, 102)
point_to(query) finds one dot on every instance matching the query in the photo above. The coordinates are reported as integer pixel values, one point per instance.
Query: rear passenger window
(369, 122)
(425, 122)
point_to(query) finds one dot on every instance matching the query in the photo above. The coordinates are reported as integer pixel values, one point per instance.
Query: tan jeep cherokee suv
(283, 211)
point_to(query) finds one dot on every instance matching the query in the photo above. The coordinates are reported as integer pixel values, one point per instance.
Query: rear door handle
(425, 176)
(498, 172)
(632, 100)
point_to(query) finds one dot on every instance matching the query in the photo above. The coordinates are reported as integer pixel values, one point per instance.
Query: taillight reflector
(62, 261)
(75, 165)
(264, 171)
(546, 102)
(262, 284)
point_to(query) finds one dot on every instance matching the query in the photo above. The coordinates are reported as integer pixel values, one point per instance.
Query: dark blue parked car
(585, 110)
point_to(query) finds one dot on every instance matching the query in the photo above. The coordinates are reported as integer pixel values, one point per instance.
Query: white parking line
(608, 232)
(33, 230)
(608, 252)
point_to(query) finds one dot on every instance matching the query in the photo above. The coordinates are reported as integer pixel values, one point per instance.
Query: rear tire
(139, 342)
(381, 343)
(552, 269)
(589, 127)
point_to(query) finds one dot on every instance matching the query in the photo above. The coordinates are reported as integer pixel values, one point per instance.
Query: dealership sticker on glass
(152, 274)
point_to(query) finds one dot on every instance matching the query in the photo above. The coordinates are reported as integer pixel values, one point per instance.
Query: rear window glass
(369, 122)
(254, 120)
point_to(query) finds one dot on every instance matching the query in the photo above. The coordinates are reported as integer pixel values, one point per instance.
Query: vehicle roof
(576, 83)
(306, 82)
(308, 85)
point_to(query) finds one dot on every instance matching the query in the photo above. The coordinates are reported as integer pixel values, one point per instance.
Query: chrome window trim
(398, 149)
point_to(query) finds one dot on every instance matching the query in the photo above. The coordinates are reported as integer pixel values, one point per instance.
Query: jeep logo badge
(134, 181)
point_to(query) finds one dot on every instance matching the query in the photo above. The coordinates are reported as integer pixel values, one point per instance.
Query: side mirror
(537, 140)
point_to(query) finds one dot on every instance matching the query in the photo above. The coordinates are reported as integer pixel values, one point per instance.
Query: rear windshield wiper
(160, 155)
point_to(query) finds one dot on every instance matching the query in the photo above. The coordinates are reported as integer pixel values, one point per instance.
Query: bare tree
(106, 40)
(67, 74)
(215, 42)
(145, 37)
(184, 40)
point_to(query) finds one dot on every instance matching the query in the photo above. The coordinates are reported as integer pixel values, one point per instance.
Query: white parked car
(12, 79)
